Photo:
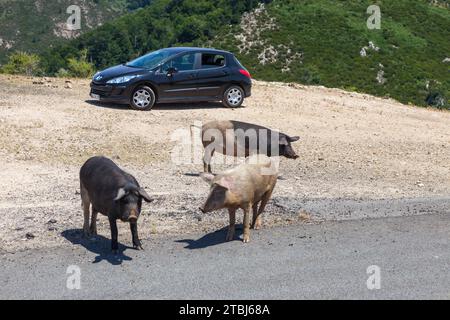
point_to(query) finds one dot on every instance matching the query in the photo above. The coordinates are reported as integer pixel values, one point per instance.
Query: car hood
(117, 71)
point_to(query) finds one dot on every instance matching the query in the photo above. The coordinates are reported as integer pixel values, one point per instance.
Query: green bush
(79, 67)
(22, 63)
(62, 73)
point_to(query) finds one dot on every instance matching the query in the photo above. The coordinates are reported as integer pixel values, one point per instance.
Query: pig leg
(232, 226)
(262, 206)
(134, 233)
(255, 216)
(86, 203)
(247, 223)
(205, 165)
(114, 235)
(207, 161)
(93, 228)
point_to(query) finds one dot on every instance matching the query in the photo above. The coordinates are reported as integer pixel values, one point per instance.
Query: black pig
(112, 192)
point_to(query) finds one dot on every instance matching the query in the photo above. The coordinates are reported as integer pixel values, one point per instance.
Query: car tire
(143, 98)
(233, 97)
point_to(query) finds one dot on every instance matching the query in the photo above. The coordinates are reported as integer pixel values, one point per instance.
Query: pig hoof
(137, 245)
(230, 237)
(246, 239)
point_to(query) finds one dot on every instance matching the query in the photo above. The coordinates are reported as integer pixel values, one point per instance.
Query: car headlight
(97, 76)
(121, 79)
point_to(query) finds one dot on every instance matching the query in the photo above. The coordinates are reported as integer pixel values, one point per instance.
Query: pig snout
(290, 153)
(133, 216)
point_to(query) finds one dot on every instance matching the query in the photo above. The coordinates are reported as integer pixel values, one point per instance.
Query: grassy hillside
(320, 42)
(35, 25)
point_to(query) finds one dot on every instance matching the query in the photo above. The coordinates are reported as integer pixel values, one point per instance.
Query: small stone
(29, 236)
(304, 216)
(52, 221)
(68, 86)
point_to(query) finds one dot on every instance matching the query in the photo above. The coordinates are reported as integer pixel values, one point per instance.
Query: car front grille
(100, 89)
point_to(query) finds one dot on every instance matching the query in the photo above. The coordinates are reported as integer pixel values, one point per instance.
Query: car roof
(195, 49)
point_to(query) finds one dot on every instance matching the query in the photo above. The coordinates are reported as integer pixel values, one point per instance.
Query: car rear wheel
(233, 97)
(143, 98)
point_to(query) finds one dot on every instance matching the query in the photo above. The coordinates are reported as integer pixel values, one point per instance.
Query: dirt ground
(353, 147)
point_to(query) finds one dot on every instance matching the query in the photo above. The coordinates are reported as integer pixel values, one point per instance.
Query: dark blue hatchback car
(175, 75)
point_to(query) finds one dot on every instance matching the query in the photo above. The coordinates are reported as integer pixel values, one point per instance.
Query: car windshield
(151, 60)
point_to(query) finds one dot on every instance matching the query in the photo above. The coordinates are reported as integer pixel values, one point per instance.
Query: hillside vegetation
(33, 26)
(327, 42)
(320, 42)
(163, 23)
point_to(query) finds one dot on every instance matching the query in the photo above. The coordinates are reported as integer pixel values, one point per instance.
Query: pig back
(264, 173)
(102, 179)
(253, 179)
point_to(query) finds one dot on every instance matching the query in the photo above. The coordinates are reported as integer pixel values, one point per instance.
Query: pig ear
(284, 140)
(293, 139)
(145, 195)
(208, 177)
(226, 182)
(120, 194)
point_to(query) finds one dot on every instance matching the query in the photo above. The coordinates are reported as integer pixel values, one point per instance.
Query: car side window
(210, 60)
(184, 62)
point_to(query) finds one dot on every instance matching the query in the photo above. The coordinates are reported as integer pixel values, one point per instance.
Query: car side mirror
(171, 71)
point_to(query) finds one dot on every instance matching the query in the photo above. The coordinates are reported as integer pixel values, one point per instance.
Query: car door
(213, 75)
(181, 83)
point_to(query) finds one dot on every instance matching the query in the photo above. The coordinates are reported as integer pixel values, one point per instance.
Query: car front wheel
(143, 98)
(233, 97)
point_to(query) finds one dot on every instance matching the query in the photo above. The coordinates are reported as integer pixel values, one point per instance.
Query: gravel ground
(357, 152)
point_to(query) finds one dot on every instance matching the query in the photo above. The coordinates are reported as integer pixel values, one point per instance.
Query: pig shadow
(212, 239)
(99, 245)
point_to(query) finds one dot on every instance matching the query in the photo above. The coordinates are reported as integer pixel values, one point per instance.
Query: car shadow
(99, 245)
(108, 105)
(211, 239)
(163, 106)
(189, 106)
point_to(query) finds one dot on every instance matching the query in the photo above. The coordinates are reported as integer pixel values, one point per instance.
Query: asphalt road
(326, 261)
